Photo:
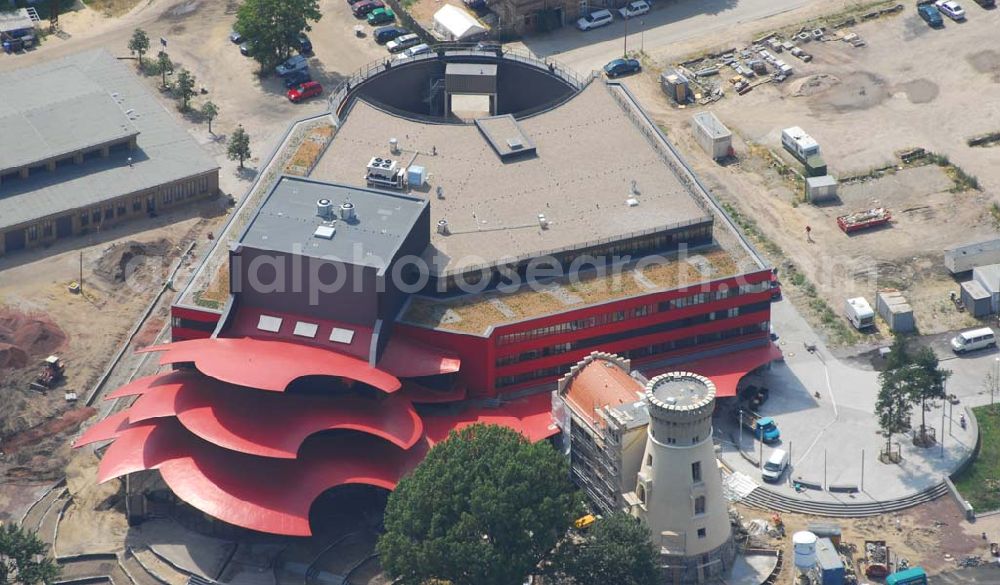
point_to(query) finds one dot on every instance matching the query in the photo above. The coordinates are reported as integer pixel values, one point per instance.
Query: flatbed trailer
(863, 220)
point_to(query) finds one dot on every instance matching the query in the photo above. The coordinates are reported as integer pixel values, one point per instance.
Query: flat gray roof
(55, 113)
(474, 69)
(165, 151)
(15, 20)
(288, 219)
(590, 152)
(712, 125)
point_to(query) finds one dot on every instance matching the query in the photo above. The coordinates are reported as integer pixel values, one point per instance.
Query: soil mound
(120, 261)
(24, 336)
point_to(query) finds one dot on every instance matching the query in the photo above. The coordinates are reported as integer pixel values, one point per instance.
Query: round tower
(679, 489)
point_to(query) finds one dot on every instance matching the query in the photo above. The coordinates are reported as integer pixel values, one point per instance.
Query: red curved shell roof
(104, 430)
(259, 493)
(269, 364)
(409, 358)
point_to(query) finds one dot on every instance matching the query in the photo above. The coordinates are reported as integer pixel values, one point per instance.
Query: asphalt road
(667, 24)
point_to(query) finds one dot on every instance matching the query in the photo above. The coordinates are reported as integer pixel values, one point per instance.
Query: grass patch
(961, 180)
(980, 483)
(112, 8)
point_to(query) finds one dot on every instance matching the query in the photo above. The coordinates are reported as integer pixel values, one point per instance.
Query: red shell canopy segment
(270, 364)
(259, 493)
(267, 423)
(728, 369)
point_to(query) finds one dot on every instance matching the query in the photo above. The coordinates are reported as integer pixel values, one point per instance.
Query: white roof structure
(452, 23)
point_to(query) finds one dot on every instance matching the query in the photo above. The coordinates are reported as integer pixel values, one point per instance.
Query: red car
(306, 90)
(361, 9)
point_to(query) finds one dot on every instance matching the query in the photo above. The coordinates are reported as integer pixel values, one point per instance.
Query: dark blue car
(384, 34)
(620, 67)
(296, 78)
(930, 14)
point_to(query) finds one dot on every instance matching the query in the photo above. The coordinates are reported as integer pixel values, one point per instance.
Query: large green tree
(272, 27)
(617, 549)
(920, 371)
(24, 559)
(484, 508)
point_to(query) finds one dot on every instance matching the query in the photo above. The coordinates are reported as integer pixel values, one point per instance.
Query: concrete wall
(282, 281)
(47, 230)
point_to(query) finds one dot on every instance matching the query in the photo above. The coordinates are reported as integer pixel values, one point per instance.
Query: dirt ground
(863, 105)
(122, 271)
(934, 535)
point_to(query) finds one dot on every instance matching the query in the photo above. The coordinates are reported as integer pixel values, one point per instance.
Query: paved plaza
(824, 407)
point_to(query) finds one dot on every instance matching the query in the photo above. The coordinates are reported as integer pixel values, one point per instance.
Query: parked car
(235, 37)
(403, 42)
(381, 16)
(930, 14)
(951, 9)
(303, 44)
(386, 33)
(414, 51)
(620, 67)
(297, 78)
(361, 9)
(595, 19)
(973, 339)
(987, 3)
(353, 2)
(775, 466)
(633, 9)
(306, 90)
(296, 63)
(245, 47)
(476, 5)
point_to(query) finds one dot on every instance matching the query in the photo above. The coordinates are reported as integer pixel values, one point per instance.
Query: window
(695, 439)
(699, 505)
(32, 233)
(702, 533)
(109, 212)
(47, 229)
(640, 491)
(649, 459)
(137, 204)
(696, 472)
(671, 441)
(84, 219)
(96, 216)
(121, 208)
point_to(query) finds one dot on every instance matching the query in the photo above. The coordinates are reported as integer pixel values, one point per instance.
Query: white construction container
(965, 257)
(800, 144)
(712, 135)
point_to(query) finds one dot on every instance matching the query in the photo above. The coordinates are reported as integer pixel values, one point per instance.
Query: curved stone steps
(33, 516)
(76, 570)
(766, 499)
(137, 570)
(50, 520)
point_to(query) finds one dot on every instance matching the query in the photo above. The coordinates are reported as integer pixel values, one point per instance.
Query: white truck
(859, 313)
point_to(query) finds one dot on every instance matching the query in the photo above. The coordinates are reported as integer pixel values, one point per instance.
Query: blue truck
(912, 576)
(762, 427)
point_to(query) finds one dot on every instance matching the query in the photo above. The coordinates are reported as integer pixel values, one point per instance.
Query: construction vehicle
(863, 220)
(876, 559)
(584, 522)
(762, 427)
(50, 375)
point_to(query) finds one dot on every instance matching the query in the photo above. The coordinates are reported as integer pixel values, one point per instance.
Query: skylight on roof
(339, 335)
(303, 329)
(269, 323)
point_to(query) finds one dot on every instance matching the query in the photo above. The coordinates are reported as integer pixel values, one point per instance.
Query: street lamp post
(642, 37)
(996, 373)
(625, 55)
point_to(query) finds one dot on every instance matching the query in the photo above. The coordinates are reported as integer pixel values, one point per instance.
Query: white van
(775, 466)
(595, 19)
(973, 340)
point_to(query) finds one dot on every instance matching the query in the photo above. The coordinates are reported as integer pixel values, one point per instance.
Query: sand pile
(24, 336)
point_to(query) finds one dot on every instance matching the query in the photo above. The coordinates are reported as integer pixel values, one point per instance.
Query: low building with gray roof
(87, 146)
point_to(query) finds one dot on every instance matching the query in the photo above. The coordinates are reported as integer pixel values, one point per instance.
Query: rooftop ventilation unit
(515, 143)
(324, 209)
(393, 146)
(385, 172)
(542, 222)
(325, 231)
(442, 227)
(347, 211)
